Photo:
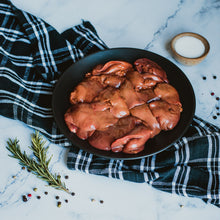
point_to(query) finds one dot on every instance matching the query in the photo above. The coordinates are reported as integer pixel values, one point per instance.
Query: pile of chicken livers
(119, 106)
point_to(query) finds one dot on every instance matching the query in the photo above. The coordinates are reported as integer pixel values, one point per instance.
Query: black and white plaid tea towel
(33, 55)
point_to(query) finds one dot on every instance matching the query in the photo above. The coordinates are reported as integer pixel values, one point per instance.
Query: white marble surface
(122, 23)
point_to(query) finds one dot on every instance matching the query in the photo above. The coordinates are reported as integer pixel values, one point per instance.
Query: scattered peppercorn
(214, 77)
(66, 177)
(29, 195)
(214, 117)
(57, 197)
(204, 78)
(35, 189)
(58, 204)
(101, 201)
(217, 98)
(218, 113)
(38, 197)
(73, 194)
(23, 168)
(45, 193)
(66, 200)
(24, 198)
(29, 170)
(212, 93)
(217, 108)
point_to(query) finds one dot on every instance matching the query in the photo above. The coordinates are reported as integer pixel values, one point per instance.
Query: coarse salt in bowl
(189, 48)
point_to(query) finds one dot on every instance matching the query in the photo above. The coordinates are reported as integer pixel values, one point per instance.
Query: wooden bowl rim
(198, 36)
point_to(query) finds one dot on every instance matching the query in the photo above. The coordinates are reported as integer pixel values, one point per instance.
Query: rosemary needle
(38, 166)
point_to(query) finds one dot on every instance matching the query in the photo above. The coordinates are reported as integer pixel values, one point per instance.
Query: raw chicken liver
(120, 106)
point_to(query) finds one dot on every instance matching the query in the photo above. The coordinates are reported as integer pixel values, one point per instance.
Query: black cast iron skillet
(75, 73)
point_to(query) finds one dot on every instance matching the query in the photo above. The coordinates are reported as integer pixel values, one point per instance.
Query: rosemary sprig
(40, 166)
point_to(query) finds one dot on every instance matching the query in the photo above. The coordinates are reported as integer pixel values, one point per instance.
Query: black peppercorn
(24, 198)
(57, 197)
(73, 194)
(45, 193)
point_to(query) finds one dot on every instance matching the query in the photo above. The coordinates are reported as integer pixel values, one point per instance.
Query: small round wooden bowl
(186, 60)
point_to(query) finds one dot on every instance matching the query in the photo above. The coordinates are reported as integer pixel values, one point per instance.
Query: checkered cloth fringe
(33, 55)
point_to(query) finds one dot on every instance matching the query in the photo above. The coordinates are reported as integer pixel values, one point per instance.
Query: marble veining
(165, 25)
(210, 5)
(141, 24)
